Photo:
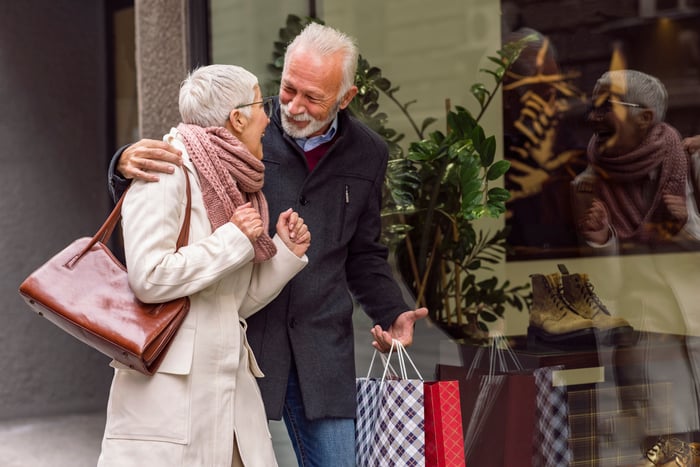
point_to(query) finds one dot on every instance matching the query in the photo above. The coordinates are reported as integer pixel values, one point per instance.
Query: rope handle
(498, 349)
(399, 350)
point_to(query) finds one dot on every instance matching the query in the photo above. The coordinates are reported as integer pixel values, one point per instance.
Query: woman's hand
(595, 225)
(293, 232)
(143, 159)
(248, 220)
(692, 144)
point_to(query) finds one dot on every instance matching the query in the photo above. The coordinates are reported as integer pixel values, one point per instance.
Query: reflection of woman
(637, 165)
(203, 406)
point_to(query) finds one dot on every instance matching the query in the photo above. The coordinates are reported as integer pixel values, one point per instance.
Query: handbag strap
(105, 232)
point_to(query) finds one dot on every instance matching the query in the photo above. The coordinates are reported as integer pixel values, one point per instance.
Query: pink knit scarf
(230, 176)
(623, 179)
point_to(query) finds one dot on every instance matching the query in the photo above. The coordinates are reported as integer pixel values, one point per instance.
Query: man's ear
(348, 97)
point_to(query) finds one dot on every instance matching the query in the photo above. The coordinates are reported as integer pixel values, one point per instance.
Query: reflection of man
(634, 188)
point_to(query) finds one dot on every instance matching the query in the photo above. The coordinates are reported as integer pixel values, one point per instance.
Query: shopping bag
(444, 442)
(551, 447)
(390, 416)
(498, 407)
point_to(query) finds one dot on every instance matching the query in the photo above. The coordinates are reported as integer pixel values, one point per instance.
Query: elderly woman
(203, 406)
(634, 188)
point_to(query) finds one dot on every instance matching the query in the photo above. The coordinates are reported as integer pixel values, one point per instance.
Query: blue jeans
(317, 443)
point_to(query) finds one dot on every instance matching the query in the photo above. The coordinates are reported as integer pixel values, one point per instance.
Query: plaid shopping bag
(551, 438)
(390, 418)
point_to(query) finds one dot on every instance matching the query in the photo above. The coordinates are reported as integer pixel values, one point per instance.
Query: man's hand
(145, 158)
(401, 330)
(293, 232)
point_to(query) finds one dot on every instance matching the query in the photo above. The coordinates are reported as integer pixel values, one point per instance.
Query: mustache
(303, 117)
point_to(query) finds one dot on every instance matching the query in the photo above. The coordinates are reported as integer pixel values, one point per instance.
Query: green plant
(435, 192)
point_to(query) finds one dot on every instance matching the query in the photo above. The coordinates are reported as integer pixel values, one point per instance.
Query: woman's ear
(646, 118)
(237, 121)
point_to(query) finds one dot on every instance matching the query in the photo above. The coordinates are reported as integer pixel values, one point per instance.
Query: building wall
(52, 190)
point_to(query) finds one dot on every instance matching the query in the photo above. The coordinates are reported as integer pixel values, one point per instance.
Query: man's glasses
(266, 102)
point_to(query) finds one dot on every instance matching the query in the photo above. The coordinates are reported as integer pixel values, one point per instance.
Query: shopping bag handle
(497, 343)
(401, 354)
(385, 362)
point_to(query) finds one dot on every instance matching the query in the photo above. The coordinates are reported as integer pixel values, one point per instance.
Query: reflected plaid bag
(390, 416)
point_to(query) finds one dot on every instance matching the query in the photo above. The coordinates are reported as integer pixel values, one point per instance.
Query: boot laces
(591, 298)
(557, 293)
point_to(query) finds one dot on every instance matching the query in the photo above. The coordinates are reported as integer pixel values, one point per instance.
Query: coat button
(292, 323)
(303, 201)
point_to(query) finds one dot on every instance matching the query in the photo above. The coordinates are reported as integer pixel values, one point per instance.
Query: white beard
(311, 128)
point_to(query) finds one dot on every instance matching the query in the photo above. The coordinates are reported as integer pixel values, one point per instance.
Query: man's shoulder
(359, 131)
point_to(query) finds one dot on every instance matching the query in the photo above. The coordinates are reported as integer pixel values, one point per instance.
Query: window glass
(602, 226)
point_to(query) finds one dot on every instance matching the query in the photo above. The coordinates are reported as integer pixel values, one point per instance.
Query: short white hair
(640, 88)
(327, 41)
(209, 93)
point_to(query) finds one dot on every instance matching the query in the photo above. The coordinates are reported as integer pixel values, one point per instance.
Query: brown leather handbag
(84, 291)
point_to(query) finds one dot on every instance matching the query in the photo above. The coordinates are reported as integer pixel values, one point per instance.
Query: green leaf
(487, 150)
(426, 123)
(498, 194)
(480, 92)
(497, 170)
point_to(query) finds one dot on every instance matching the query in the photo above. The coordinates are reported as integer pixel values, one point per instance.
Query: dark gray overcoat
(311, 320)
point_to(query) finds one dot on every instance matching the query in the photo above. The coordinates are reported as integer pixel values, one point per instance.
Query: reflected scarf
(230, 176)
(634, 200)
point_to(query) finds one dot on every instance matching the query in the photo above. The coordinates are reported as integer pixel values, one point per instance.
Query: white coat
(205, 390)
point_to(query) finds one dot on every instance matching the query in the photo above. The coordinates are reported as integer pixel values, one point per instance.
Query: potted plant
(436, 191)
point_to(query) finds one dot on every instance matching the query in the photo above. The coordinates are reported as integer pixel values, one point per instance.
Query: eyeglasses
(606, 105)
(266, 102)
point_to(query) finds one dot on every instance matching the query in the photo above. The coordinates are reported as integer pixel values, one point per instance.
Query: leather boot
(577, 290)
(552, 319)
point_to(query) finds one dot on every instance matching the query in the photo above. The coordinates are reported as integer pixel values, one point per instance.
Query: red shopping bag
(444, 439)
(498, 406)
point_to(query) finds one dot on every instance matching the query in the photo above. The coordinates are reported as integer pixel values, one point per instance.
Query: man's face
(619, 127)
(309, 93)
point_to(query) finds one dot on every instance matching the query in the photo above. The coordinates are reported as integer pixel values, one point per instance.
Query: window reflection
(645, 406)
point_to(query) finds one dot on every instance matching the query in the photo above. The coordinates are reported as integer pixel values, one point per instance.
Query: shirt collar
(307, 144)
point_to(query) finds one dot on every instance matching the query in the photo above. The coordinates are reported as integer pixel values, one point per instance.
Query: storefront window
(603, 220)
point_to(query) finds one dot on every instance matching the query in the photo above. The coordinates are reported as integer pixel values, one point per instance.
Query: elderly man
(330, 168)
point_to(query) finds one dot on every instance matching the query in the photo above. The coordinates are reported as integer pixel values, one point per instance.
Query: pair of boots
(565, 310)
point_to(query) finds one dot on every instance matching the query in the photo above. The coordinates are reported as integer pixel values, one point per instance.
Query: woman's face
(252, 128)
(619, 127)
